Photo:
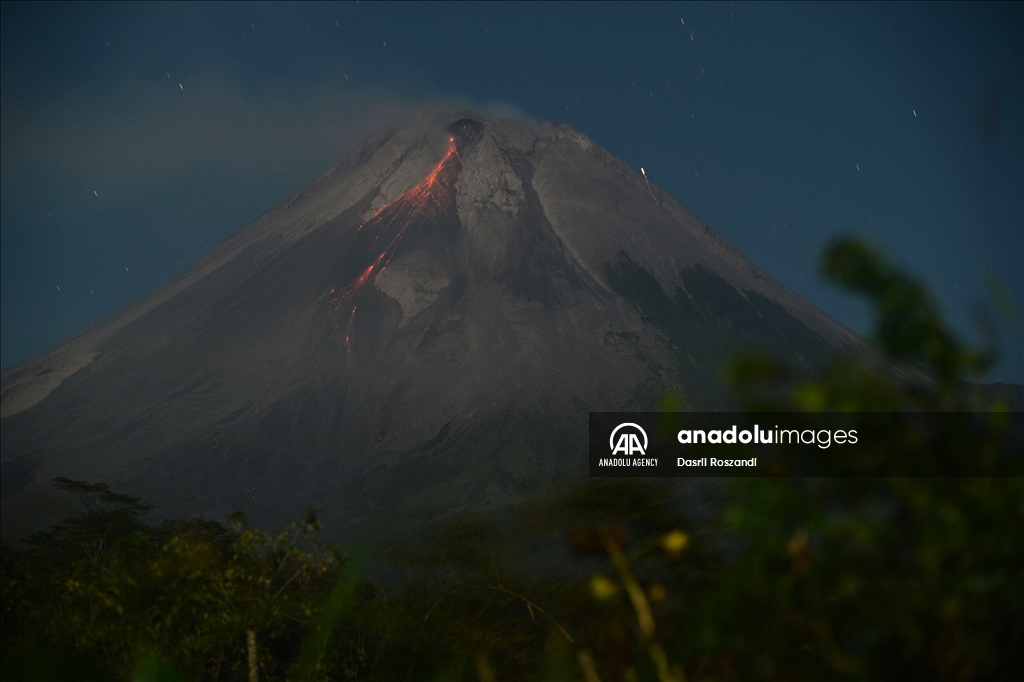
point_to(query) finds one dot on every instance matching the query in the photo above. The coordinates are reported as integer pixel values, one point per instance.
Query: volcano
(422, 329)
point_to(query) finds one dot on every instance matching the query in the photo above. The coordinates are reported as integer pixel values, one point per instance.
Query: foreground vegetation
(817, 578)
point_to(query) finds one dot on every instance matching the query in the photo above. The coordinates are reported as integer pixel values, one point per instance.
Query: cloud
(142, 134)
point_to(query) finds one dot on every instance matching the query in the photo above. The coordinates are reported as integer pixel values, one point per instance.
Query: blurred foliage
(879, 577)
(105, 595)
(787, 578)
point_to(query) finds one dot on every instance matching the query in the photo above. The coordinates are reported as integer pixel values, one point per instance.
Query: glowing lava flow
(376, 239)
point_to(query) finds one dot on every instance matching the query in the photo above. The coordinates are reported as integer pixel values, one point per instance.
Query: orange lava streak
(348, 332)
(376, 240)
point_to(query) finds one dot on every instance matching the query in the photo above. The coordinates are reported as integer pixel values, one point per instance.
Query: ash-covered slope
(426, 326)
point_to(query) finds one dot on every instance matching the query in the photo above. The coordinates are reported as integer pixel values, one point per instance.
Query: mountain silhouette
(422, 329)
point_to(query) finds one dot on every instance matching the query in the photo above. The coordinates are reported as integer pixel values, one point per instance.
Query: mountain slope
(425, 326)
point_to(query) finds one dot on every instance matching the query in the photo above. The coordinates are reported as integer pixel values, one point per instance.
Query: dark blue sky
(136, 137)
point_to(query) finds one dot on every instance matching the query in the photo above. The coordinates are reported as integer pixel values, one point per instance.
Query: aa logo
(627, 441)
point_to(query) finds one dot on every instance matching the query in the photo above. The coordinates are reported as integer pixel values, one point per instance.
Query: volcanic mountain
(423, 328)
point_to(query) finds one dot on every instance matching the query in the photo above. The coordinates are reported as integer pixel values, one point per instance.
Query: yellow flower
(602, 588)
(674, 542)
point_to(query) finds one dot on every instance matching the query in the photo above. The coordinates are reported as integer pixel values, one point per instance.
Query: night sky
(137, 137)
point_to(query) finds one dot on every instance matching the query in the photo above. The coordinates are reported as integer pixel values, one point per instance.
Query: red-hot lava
(377, 238)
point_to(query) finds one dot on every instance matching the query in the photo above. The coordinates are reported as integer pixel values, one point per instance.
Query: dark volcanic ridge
(424, 327)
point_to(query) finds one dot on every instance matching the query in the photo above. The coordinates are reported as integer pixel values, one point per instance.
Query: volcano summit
(425, 327)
